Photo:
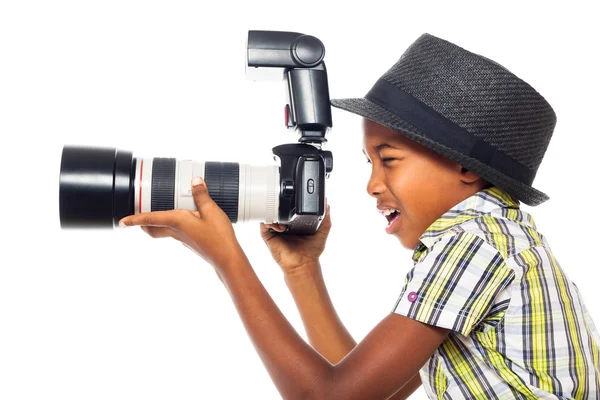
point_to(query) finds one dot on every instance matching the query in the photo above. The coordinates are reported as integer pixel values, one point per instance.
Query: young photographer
(455, 141)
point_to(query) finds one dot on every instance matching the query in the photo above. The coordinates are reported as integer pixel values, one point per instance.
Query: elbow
(314, 393)
(308, 394)
(322, 387)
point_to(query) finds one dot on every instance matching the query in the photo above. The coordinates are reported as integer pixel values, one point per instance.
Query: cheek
(410, 175)
(419, 185)
(407, 186)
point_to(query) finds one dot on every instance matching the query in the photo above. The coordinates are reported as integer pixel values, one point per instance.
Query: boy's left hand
(208, 231)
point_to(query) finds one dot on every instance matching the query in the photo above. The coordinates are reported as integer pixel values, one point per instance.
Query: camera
(100, 185)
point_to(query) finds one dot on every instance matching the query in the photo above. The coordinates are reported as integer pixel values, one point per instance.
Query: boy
(455, 141)
(518, 327)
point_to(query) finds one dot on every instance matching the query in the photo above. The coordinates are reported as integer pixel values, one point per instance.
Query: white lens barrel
(259, 193)
(258, 189)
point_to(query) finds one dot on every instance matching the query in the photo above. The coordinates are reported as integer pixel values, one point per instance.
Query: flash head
(300, 57)
(283, 50)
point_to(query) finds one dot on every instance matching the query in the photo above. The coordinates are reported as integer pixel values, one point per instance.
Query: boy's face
(408, 177)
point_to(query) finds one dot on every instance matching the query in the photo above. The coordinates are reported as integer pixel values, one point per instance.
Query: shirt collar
(482, 202)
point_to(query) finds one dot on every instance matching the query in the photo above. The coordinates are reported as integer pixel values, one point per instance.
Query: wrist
(308, 271)
(231, 260)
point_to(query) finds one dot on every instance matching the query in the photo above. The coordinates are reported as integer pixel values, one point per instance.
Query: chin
(407, 244)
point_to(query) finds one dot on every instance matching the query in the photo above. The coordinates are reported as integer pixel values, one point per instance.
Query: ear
(468, 177)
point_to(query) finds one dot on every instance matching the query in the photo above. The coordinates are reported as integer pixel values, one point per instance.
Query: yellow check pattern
(519, 326)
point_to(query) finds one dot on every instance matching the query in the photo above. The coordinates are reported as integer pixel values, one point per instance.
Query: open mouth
(392, 216)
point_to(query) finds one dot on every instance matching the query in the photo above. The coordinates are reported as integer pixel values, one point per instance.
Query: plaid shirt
(519, 328)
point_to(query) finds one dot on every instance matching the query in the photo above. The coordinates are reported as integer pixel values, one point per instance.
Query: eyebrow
(382, 146)
(385, 145)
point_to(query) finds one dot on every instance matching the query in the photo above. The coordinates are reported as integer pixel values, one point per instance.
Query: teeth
(387, 211)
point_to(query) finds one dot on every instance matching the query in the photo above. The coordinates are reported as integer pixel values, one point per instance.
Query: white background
(118, 315)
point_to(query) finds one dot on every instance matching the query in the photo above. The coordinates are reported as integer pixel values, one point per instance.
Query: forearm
(325, 331)
(407, 389)
(294, 366)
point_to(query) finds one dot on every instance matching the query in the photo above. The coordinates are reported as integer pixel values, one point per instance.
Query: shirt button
(412, 296)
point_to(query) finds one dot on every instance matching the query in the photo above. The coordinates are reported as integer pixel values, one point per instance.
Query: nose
(376, 185)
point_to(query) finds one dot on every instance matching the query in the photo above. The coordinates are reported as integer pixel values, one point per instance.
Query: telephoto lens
(99, 186)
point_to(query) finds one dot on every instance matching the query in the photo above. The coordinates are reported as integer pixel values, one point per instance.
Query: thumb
(200, 194)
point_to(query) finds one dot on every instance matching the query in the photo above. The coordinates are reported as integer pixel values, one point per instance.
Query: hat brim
(373, 112)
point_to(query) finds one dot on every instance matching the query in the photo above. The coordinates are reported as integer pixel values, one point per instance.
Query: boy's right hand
(294, 253)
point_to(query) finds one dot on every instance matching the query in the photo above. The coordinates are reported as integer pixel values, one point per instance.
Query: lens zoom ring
(223, 182)
(163, 184)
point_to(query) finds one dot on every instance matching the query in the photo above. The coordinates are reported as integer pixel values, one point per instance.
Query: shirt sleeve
(455, 284)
